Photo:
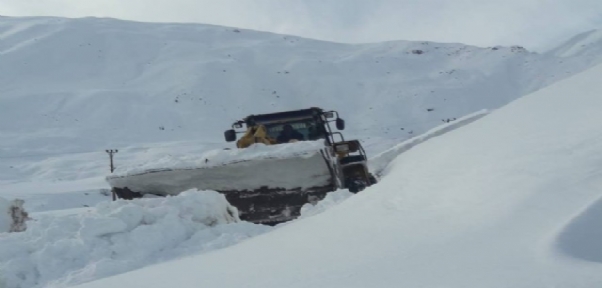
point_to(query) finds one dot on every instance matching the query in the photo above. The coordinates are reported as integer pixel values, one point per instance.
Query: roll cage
(311, 118)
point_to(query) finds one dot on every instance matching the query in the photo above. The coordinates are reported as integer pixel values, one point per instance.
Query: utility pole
(111, 152)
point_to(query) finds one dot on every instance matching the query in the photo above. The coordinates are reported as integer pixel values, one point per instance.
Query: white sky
(536, 24)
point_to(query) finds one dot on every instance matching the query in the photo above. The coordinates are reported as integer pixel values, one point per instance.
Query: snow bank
(117, 237)
(332, 199)
(12, 216)
(582, 237)
(379, 162)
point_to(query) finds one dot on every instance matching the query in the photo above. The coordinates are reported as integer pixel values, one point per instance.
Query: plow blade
(267, 190)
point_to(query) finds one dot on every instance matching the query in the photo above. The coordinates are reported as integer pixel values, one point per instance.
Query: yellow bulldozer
(304, 159)
(345, 160)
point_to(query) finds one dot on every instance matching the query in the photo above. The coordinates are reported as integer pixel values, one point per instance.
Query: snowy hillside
(70, 85)
(70, 88)
(586, 45)
(511, 200)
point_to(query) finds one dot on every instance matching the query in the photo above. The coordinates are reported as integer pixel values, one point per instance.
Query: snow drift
(12, 216)
(116, 237)
(501, 202)
(582, 237)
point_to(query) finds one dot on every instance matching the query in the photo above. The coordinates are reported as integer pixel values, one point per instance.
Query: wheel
(125, 193)
(372, 179)
(355, 185)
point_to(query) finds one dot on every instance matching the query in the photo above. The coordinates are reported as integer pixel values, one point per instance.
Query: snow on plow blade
(268, 184)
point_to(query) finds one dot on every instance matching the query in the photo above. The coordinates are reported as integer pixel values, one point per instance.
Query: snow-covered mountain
(587, 45)
(70, 88)
(71, 85)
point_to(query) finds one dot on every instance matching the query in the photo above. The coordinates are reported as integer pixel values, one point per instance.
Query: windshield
(304, 130)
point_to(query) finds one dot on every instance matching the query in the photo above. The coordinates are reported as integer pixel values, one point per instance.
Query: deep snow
(165, 91)
(75, 245)
(511, 200)
(330, 200)
(116, 237)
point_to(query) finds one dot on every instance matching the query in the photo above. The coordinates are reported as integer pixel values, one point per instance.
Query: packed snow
(116, 237)
(511, 200)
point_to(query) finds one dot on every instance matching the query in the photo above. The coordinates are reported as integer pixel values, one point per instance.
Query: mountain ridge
(91, 83)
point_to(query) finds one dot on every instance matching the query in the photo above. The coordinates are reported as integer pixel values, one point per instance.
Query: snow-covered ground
(480, 206)
(332, 199)
(116, 237)
(511, 200)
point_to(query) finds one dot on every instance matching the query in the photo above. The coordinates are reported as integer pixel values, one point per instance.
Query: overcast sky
(535, 24)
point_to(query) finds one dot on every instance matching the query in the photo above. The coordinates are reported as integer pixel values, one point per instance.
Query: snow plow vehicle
(283, 161)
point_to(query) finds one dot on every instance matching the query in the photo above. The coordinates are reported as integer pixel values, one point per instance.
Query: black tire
(125, 193)
(372, 180)
(355, 185)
